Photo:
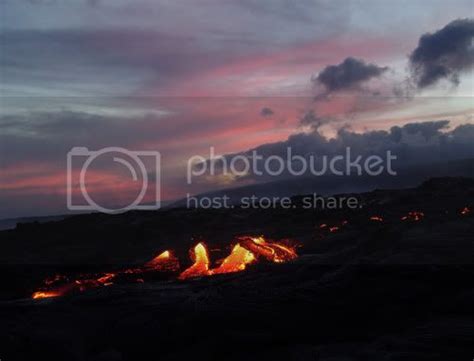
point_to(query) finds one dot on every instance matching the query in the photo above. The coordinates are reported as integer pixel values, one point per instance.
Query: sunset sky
(181, 76)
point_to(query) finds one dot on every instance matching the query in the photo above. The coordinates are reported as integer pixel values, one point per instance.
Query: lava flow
(333, 228)
(376, 219)
(60, 285)
(80, 284)
(237, 261)
(246, 251)
(201, 263)
(274, 252)
(49, 294)
(165, 261)
(413, 216)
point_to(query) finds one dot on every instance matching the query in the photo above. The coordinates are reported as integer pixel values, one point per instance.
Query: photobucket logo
(133, 170)
(241, 165)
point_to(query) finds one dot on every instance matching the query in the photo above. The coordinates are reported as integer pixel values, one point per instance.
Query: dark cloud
(443, 54)
(464, 132)
(266, 112)
(414, 144)
(312, 120)
(427, 129)
(348, 74)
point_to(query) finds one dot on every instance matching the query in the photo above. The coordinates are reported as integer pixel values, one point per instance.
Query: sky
(181, 76)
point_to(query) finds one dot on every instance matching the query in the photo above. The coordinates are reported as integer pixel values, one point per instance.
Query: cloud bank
(443, 54)
(413, 144)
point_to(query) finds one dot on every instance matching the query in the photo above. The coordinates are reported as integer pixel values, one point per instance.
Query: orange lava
(248, 250)
(55, 279)
(46, 294)
(271, 251)
(237, 261)
(106, 279)
(413, 216)
(243, 254)
(165, 261)
(376, 219)
(201, 263)
(53, 292)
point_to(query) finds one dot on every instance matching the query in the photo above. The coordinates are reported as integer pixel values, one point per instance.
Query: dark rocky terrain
(391, 290)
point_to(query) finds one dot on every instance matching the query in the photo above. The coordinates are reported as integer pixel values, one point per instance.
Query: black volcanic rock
(391, 290)
(446, 184)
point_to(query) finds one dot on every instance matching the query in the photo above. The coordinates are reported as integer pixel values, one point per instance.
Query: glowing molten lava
(376, 219)
(237, 261)
(246, 251)
(333, 228)
(201, 263)
(159, 260)
(274, 252)
(165, 261)
(54, 279)
(106, 279)
(46, 294)
(243, 254)
(413, 216)
(60, 285)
